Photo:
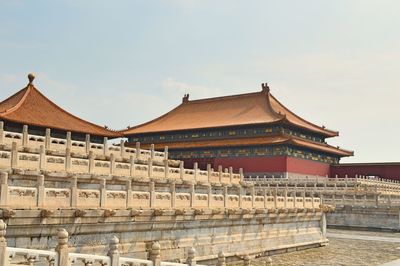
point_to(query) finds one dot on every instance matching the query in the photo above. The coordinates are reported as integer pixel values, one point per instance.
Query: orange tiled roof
(244, 109)
(29, 106)
(270, 140)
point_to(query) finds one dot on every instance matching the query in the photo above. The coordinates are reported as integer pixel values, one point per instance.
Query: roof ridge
(148, 122)
(16, 106)
(65, 111)
(302, 119)
(187, 102)
(223, 97)
(31, 97)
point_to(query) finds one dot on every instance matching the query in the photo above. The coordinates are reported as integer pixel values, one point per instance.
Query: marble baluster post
(69, 141)
(225, 192)
(152, 152)
(149, 168)
(103, 193)
(172, 188)
(112, 164)
(74, 191)
(3, 189)
(40, 191)
(62, 248)
(166, 169)
(3, 244)
(25, 137)
(137, 152)
(67, 160)
(113, 251)
(106, 150)
(129, 199)
(181, 171)
(91, 162)
(47, 140)
(122, 148)
(42, 158)
(87, 143)
(192, 194)
(166, 153)
(209, 172)
(220, 173)
(209, 195)
(14, 155)
(1, 132)
(132, 166)
(196, 171)
(152, 194)
(155, 254)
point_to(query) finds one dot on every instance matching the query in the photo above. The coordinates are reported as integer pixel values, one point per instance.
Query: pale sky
(119, 63)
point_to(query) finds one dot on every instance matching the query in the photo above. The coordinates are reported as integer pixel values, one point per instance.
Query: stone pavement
(353, 248)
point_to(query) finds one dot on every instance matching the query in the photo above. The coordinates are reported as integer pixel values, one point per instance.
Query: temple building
(254, 131)
(30, 110)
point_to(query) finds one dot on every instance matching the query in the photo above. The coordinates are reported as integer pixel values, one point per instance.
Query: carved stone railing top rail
(82, 192)
(322, 183)
(361, 198)
(31, 256)
(62, 257)
(30, 141)
(47, 161)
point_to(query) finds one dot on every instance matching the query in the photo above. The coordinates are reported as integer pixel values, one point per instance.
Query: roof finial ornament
(31, 77)
(265, 87)
(185, 98)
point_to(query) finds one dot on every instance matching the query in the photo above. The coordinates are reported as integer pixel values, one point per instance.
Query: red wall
(384, 170)
(274, 165)
(282, 164)
(307, 167)
(254, 164)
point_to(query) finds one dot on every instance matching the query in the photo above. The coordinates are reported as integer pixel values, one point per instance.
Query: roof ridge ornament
(185, 98)
(31, 77)
(265, 87)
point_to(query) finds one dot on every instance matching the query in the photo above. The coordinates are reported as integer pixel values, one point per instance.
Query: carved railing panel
(163, 199)
(182, 200)
(140, 200)
(158, 172)
(174, 173)
(28, 161)
(10, 137)
(201, 200)
(134, 262)
(226, 178)
(57, 197)
(55, 163)
(79, 165)
(101, 167)
(31, 256)
(246, 201)
(77, 259)
(116, 199)
(202, 176)
(22, 196)
(5, 159)
(259, 202)
(233, 201)
(217, 201)
(88, 198)
(214, 177)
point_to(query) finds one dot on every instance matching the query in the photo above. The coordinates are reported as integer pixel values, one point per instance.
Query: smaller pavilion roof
(30, 107)
(235, 110)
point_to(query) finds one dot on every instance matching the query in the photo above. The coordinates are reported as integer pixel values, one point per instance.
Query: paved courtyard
(346, 248)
